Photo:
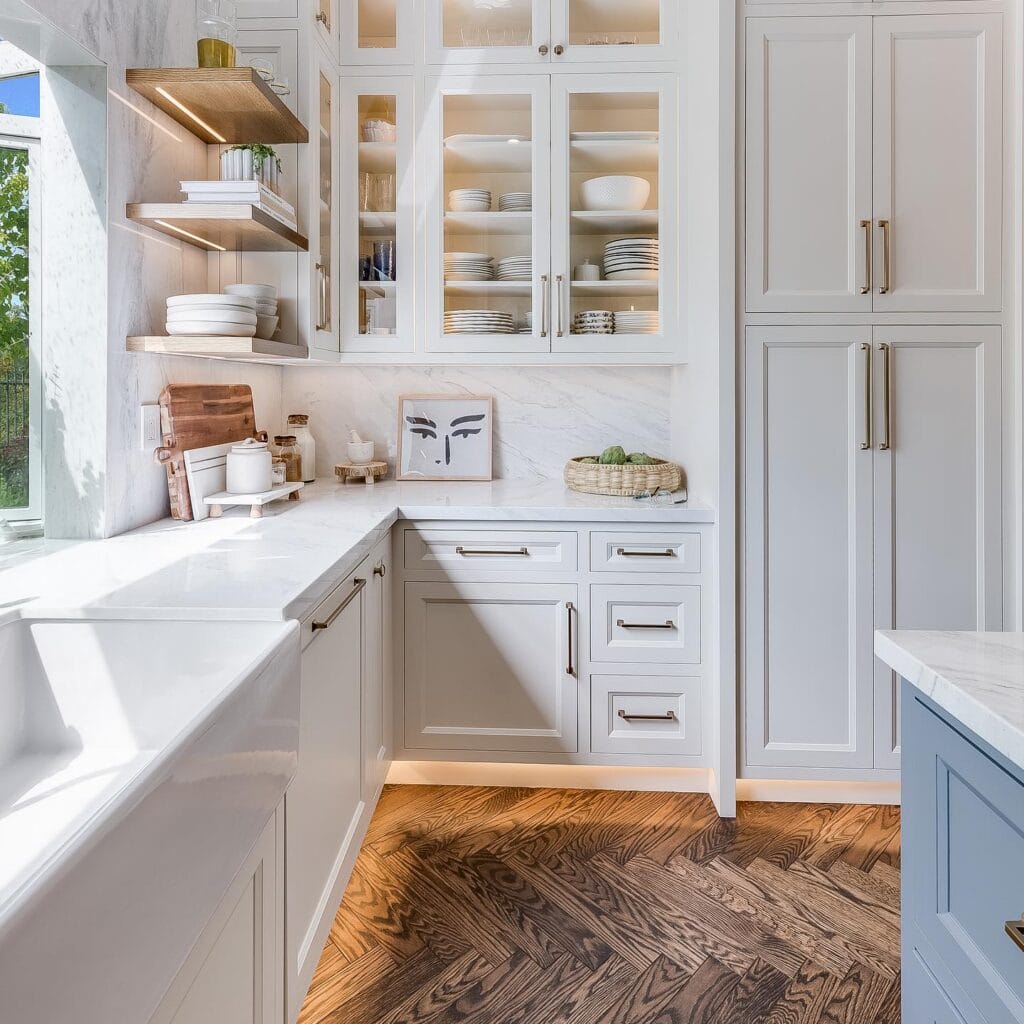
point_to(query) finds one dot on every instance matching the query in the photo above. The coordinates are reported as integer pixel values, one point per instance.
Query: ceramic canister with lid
(298, 426)
(249, 467)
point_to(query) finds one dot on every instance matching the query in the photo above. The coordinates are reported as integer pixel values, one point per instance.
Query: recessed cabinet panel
(641, 623)
(468, 551)
(635, 714)
(644, 552)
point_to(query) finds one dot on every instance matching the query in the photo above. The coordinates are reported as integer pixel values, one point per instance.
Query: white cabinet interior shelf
(485, 288)
(488, 156)
(588, 222)
(612, 156)
(488, 223)
(624, 288)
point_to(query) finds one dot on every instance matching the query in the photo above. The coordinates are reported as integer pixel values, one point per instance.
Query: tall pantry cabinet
(872, 361)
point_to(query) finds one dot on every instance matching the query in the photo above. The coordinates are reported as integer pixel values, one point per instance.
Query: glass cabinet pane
(614, 22)
(482, 24)
(377, 24)
(324, 299)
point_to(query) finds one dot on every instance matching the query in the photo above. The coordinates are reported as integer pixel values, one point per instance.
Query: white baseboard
(813, 791)
(548, 776)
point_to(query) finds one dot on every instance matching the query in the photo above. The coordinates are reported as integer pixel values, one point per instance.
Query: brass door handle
(886, 443)
(667, 553)
(561, 329)
(357, 586)
(866, 443)
(886, 257)
(545, 300)
(470, 552)
(622, 624)
(866, 287)
(669, 716)
(570, 668)
(1015, 929)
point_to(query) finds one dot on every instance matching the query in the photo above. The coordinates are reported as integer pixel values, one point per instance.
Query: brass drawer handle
(866, 287)
(570, 668)
(330, 620)
(668, 624)
(886, 257)
(1015, 929)
(669, 716)
(865, 445)
(470, 552)
(886, 443)
(667, 553)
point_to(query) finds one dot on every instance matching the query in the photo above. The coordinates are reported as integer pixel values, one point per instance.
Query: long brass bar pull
(669, 716)
(626, 553)
(357, 586)
(570, 668)
(622, 624)
(886, 257)
(545, 299)
(866, 443)
(886, 442)
(561, 303)
(470, 552)
(866, 287)
(1015, 929)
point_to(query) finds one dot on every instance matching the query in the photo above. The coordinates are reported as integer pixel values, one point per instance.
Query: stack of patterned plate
(638, 322)
(631, 259)
(515, 268)
(515, 202)
(232, 316)
(593, 321)
(468, 266)
(478, 321)
(526, 324)
(469, 200)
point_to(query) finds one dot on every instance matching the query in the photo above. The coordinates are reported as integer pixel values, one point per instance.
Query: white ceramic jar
(298, 426)
(250, 468)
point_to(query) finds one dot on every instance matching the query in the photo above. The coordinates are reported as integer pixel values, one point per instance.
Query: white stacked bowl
(469, 200)
(615, 192)
(265, 296)
(232, 316)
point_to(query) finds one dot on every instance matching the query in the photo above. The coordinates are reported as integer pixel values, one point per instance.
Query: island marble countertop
(279, 566)
(978, 678)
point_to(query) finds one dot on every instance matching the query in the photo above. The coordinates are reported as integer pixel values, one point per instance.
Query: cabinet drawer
(484, 550)
(645, 714)
(964, 831)
(644, 552)
(636, 622)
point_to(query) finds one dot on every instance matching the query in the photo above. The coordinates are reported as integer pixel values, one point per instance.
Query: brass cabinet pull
(667, 553)
(324, 319)
(622, 624)
(866, 443)
(380, 570)
(570, 668)
(886, 257)
(469, 552)
(866, 287)
(543, 49)
(357, 586)
(1015, 929)
(669, 716)
(561, 329)
(886, 442)
(545, 299)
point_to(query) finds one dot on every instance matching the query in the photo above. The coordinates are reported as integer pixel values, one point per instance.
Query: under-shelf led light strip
(190, 236)
(188, 113)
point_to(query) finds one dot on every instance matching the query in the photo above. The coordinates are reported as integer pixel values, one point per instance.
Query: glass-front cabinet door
(488, 31)
(604, 30)
(377, 223)
(325, 218)
(485, 190)
(377, 32)
(616, 241)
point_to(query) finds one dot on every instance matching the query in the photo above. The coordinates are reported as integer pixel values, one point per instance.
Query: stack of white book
(253, 192)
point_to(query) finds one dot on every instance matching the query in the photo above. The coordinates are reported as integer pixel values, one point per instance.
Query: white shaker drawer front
(645, 714)
(484, 550)
(644, 552)
(636, 622)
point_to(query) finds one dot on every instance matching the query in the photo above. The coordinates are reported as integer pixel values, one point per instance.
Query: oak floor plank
(838, 835)
(754, 995)
(874, 841)
(857, 999)
(648, 995)
(335, 987)
(805, 997)
(701, 998)
(504, 987)
(424, 1004)
(868, 886)
(697, 812)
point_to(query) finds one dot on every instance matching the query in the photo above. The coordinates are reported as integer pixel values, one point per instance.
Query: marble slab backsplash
(543, 416)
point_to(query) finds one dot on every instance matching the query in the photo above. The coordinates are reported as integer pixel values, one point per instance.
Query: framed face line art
(445, 437)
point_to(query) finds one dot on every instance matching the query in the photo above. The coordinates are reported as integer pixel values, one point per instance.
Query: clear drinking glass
(217, 33)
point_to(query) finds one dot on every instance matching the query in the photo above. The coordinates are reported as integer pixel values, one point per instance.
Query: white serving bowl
(379, 130)
(224, 316)
(469, 206)
(615, 192)
(266, 326)
(266, 309)
(211, 301)
(267, 292)
(193, 328)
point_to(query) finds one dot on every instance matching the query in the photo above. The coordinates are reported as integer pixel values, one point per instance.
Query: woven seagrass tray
(624, 481)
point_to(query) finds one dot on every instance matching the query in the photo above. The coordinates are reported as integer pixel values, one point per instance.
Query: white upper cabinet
(377, 32)
(937, 158)
(323, 220)
(468, 32)
(873, 150)
(808, 179)
(584, 31)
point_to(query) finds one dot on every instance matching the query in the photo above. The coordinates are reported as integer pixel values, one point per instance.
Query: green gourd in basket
(616, 473)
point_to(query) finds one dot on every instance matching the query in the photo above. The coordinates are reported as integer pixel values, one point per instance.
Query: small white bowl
(615, 192)
(360, 453)
(211, 301)
(266, 308)
(266, 326)
(379, 130)
(266, 292)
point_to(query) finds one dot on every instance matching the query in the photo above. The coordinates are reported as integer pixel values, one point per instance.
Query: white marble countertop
(275, 567)
(978, 678)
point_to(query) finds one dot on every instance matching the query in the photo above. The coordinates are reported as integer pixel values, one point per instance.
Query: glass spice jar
(298, 423)
(287, 449)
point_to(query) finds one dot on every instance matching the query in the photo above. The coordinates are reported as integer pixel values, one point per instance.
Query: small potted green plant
(252, 161)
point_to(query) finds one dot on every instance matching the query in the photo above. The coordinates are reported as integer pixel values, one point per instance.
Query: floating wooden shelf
(216, 347)
(223, 227)
(219, 105)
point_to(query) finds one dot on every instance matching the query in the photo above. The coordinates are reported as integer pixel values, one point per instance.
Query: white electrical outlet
(149, 427)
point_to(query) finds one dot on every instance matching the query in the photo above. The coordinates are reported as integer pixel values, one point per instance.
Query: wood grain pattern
(515, 906)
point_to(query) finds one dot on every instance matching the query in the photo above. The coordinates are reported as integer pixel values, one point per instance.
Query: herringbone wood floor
(516, 906)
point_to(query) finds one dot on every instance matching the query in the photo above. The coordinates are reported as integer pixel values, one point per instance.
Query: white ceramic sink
(118, 740)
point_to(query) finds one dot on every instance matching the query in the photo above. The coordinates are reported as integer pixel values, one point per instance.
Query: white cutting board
(206, 470)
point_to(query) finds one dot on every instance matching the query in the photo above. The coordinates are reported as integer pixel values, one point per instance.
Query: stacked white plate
(632, 259)
(478, 321)
(469, 200)
(593, 321)
(638, 322)
(526, 324)
(265, 296)
(232, 316)
(468, 266)
(515, 202)
(515, 268)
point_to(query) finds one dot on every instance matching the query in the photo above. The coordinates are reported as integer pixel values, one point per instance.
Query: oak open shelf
(219, 105)
(216, 347)
(228, 227)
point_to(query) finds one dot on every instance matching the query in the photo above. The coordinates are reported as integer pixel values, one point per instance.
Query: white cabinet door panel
(808, 621)
(808, 171)
(937, 493)
(937, 156)
(486, 666)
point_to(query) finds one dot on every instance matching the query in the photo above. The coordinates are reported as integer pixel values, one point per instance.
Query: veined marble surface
(281, 565)
(977, 677)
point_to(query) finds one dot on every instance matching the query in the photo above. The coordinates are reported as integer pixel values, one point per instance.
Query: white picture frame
(445, 437)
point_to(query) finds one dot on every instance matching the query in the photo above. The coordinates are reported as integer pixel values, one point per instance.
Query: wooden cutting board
(198, 416)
